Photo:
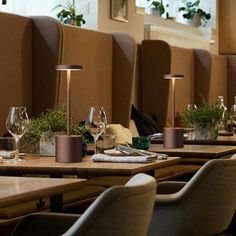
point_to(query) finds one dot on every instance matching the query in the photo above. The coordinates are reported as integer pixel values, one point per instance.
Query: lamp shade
(174, 76)
(69, 67)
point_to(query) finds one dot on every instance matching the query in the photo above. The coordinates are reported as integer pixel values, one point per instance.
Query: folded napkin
(127, 159)
(7, 154)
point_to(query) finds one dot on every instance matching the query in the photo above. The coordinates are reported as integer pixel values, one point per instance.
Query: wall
(45, 7)
(206, 5)
(97, 13)
(134, 27)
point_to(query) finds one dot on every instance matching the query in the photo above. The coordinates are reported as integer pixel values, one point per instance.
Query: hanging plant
(68, 14)
(192, 9)
(4, 2)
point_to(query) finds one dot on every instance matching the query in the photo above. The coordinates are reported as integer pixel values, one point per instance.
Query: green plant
(204, 116)
(53, 120)
(159, 6)
(4, 2)
(192, 8)
(68, 14)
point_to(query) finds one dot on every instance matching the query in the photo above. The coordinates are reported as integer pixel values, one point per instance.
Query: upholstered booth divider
(47, 43)
(30, 49)
(15, 64)
(108, 69)
(231, 79)
(182, 62)
(210, 77)
(157, 59)
(124, 61)
(155, 62)
(205, 77)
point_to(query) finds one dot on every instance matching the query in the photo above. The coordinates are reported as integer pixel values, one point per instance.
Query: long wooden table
(196, 151)
(15, 190)
(87, 168)
(221, 140)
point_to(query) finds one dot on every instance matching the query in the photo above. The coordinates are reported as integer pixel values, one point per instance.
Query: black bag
(145, 124)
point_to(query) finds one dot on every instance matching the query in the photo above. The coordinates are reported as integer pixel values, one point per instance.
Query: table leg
(56, 203)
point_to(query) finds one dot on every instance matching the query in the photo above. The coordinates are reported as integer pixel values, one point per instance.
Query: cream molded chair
(118, 211)
(203, 206)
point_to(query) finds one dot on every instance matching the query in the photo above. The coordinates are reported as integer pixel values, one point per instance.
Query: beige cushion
(133, 128)
(122, 134)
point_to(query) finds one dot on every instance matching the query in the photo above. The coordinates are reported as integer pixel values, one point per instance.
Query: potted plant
(158, 7)
(68, 14)
(205, 119)
(41, 135)
(194, 13)
(4, 2)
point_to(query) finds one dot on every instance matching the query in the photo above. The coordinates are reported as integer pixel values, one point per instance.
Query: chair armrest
(45, 224)
(168, 187)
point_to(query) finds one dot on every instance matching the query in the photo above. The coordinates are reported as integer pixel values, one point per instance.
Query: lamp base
(173, 137)
(68, 148)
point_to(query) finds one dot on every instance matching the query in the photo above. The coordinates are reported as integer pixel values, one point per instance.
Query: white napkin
(132, 159)
(7, 154)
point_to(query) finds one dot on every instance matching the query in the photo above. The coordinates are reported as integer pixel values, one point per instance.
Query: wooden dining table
(35, 164)
(16, 190)
(196, 151)
(220, 140)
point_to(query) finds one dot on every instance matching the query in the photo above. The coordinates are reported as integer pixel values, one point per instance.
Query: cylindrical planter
(206, 133)
(47, 144)
(195, 21)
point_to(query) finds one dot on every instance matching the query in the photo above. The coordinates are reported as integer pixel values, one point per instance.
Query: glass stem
(95, 143)
(17, 149)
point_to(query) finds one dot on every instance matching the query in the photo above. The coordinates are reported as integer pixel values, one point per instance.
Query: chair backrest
(205, 205)
(212, 195)
(120, 210)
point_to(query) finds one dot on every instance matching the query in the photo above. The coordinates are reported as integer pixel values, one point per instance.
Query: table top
(196, 151)
(47, 165)
(15, 190)
(221, 140)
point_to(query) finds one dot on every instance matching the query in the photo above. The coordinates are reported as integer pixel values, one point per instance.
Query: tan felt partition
(231, 79)
(155, 62)
(124, 58)
(93, 85)
(157, 59)
(182, 62)
(218, 85)
(16, 64)
(47, 41)
(210, 77)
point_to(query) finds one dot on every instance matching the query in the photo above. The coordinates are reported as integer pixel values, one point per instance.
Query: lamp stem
(68, 101)
(173, 102)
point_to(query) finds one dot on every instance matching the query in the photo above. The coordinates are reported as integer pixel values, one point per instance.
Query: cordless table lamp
(173, 137)
(68, 147)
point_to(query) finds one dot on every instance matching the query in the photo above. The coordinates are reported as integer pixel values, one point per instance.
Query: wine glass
(233, 118)
(97, 121)
(17, 123)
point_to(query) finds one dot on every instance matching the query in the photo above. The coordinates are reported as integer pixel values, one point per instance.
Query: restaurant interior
(118, 117)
